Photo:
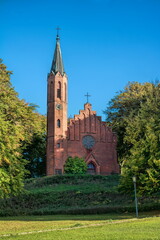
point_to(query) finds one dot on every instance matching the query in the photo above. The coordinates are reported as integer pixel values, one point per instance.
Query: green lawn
(80, 227)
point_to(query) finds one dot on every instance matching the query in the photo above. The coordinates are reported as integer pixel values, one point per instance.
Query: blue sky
(105, 44)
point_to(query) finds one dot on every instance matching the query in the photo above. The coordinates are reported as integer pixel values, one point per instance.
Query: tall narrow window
(58, 145)
(65, 93)
(58, 123)
(59, 90)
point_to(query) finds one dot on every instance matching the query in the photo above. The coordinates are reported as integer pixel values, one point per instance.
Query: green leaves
(35, 154)
(75, 165)
(18, 123)
(135, 116)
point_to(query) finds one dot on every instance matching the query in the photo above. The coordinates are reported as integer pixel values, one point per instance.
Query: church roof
(57, 63)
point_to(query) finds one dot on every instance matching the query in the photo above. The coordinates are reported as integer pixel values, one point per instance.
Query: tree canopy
(19, 123)
(134, 115)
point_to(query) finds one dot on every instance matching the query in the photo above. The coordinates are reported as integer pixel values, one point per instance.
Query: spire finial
(87, 95)
(58, 38)
(57, 63)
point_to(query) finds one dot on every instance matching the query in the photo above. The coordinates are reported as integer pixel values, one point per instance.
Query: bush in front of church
(75, 165)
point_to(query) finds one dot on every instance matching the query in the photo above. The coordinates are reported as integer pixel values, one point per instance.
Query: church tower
(56, 113)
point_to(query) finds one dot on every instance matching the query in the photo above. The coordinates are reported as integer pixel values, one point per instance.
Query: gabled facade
(84, 136)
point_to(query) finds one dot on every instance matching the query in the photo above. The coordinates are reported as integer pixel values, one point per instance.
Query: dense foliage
(19, 124)
(75, 165)
(134, 115)
(35, 154)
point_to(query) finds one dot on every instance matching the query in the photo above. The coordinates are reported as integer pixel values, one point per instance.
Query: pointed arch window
(58, 123)
(59, 90)
(91, 169)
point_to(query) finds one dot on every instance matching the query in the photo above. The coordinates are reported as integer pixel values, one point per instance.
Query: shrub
(75, 165)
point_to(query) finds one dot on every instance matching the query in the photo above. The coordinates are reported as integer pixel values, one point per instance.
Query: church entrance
(91, 169)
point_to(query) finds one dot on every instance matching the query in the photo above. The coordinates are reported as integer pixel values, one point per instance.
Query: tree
(35, 154)
(18, 124)
(11, 165)
(75, 165)
(34, 144)
(135, 115)
(125, 105)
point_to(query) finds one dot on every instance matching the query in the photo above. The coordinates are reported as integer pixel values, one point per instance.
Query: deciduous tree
(135, 115)
(18, 124)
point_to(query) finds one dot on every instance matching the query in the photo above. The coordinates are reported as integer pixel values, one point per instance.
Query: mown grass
(78, 194)
(99, 227)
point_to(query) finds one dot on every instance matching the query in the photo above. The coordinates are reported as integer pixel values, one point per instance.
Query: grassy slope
(81, 227)
(73, 195)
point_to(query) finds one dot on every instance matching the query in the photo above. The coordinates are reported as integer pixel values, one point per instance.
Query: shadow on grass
(94, 217)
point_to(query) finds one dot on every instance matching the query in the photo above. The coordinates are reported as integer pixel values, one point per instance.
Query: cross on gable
(87, 95)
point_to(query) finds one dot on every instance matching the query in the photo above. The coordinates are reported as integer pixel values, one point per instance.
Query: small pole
(58, 38)
(58, 30)
(135, 194)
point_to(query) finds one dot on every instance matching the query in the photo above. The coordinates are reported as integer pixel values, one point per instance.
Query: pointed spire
(57, 63)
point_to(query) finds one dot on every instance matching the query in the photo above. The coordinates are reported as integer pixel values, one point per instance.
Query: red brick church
(86, 135)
